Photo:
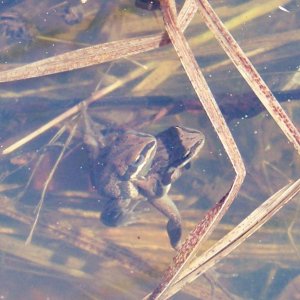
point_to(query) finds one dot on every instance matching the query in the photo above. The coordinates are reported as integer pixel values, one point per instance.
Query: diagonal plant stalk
(236, 237)
(111, 51)
(39, 161)
(245, 67)
(212, 218)
(247, 14)
(39, 68)
(49, 178)
(97, 54)
(76, 109)
(247, 70)
(151, 42)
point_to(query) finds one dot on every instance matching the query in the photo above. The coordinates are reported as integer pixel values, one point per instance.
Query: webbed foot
(117, 214)
(174, 227)
(174, 230)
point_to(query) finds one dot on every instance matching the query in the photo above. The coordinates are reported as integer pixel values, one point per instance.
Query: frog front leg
(93, 140)
(92, 136)
(174, 227)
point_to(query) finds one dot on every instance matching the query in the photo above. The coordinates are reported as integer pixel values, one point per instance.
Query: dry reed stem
(212, 218)
(249, 73)
(248, 14)
(237, 236)
(97, 54)
(106, 52)
(186, 14)
(47, 182)
(82, 58)
(75, 109)
(260, 87)
(245, 67)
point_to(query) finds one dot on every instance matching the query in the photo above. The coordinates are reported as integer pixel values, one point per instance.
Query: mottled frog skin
(127, 158)
(176, 148)
(136, 166)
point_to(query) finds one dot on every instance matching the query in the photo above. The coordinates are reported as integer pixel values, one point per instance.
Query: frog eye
(147, 4)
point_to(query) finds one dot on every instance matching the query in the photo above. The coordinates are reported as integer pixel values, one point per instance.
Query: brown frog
(127, 158)
(176, 148)
(137, 165)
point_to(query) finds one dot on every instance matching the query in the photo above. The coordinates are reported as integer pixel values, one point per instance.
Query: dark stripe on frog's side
(117, 164)
(176, 147)
(128, 157)
(179, 145)
(142, 164)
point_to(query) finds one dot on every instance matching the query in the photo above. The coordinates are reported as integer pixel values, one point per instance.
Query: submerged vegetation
(115, 59)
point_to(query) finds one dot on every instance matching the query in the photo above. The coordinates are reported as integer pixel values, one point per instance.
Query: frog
(136, 166)
(113, 169)
(177, 147)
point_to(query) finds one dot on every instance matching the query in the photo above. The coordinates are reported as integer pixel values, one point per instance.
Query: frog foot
(174, 227)
(174, 230)
(115, 215)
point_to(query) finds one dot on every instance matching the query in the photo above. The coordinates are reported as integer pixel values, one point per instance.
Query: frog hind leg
(174, 227)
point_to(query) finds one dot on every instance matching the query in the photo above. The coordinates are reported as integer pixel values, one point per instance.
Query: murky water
(74, 256)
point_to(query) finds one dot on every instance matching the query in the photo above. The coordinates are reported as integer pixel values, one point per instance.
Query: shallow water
(73, 255)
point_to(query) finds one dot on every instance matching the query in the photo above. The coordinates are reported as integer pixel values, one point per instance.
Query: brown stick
(186, 15)
(249, 73)
(207, 225)
(97, 54)
(236, 236)
(75, 109)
